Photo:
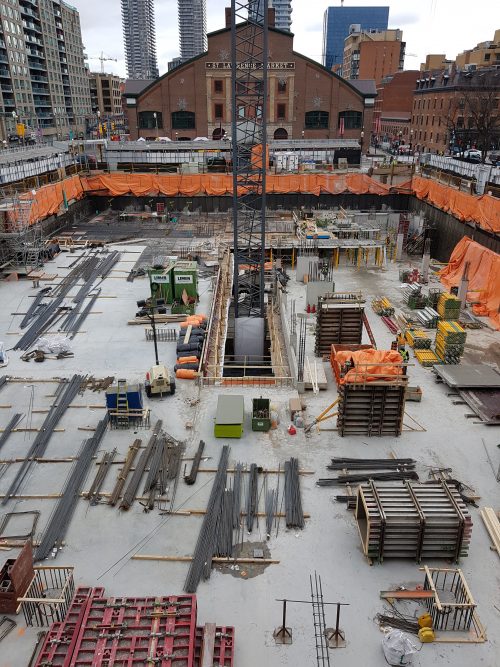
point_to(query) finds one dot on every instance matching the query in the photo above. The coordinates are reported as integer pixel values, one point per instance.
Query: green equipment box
(261, 414)
(229, 417)
(163, 280)
(185, 277)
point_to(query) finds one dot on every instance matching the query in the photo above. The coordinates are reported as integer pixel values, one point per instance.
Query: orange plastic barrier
(370, 365)
(484, 210)
(484, 276)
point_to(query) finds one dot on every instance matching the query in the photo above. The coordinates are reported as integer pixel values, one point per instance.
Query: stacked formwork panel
(369, 405)
(411, 520)
(371, 409)
(339, 321)
(99, 632)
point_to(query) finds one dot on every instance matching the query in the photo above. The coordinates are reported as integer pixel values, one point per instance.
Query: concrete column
(463, 288)
(424, 269)
(399, 247)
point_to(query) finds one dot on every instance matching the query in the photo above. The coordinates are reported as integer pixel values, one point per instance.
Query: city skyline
(139, 38)
(431, 29)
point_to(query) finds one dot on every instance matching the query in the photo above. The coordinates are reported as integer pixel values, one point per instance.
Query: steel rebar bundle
(36, 304)
(271, 509)
(65, 393)
(371, 464)
(122, 475)
(364, 477)
(104, 465)
(191, 478)
(9, 428)
(40, 325)
(201, 564)
(61, 517)
(237, 494)
(293, 500)
(252, 498)
(135, 480)
(224, 546)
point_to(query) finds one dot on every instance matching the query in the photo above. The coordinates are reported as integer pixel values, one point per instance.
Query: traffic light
(113, 125)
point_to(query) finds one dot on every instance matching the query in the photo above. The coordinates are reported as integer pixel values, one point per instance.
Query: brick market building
(305, 100)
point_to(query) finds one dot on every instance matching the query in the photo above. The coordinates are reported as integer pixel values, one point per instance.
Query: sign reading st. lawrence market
(273, 65)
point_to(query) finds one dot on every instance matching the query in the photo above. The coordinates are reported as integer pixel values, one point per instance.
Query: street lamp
(361, 141)
(155, 116)
(177, 136)
(98, 123)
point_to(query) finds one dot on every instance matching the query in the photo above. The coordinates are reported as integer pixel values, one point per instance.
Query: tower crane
(103, 59)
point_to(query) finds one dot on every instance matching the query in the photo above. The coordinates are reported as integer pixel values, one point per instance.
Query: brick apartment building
(393, 107)
(373, 54)
(440, 116)
(305, 100)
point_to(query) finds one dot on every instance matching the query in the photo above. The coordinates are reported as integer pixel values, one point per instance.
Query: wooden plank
(188, 334)
(406, 595)
(492, 525)
(208, 647)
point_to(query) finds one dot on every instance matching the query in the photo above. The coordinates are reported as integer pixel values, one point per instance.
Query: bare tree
(473, 118)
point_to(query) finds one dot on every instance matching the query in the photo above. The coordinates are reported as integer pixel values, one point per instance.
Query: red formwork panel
(133, 632)
(60, 640)
(223, 648)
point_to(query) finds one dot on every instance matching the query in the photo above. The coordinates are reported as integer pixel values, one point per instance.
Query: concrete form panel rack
(412, 520)
(337, 323)
(371, 409)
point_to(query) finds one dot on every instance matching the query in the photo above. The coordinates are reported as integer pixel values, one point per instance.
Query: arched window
(150, 120)
(317, 120)
(281, 133)
(353, 120)
(218, 133)
(183, 120)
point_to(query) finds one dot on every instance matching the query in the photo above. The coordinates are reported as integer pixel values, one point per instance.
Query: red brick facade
(393, 107)
(194, 99)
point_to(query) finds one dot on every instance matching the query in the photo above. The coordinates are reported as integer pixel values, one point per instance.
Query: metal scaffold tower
(249, 62)
(21, 243)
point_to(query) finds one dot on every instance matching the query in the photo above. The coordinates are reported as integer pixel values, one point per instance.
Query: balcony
(4, 59)
(42, 79)
(39, 91)
(37, 66)
(27, 11)
(4, 74)
(6, 88)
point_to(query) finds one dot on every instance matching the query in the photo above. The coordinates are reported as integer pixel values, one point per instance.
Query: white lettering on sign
(273, 65)
(183, 279)
(160, 279)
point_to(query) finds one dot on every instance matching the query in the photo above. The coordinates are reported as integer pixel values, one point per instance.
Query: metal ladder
(369, 331)
(122, 410)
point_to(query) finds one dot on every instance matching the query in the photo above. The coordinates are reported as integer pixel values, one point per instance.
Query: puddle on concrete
(246, 570)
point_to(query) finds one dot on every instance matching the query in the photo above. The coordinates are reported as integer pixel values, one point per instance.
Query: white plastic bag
(4, 359)
(53, 344)
(398, 649)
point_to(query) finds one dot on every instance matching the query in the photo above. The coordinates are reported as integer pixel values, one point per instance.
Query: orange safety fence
(484, 210)
(483, 274)
(368, 365)
(49, 199)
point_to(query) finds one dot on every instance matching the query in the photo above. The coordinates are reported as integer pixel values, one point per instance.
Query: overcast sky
(429, 26)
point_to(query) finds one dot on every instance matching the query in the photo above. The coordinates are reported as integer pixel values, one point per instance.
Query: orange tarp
(484, 210)
(484, 276)
(49, 199)
(370, 365)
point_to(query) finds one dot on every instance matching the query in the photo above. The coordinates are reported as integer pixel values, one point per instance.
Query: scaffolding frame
(249, 63)
(22, 246)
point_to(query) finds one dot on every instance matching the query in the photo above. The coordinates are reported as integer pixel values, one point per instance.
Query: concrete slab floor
(101, 541)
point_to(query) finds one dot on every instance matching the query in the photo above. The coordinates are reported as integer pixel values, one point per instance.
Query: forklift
(158, 379)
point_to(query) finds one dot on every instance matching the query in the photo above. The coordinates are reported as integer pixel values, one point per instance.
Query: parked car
(471, 155)
(494, 157)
